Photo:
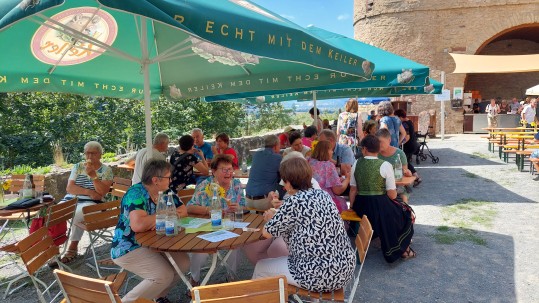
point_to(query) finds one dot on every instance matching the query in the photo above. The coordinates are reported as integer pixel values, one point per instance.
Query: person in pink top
(221, 148)
(309, 135)
(325, 173)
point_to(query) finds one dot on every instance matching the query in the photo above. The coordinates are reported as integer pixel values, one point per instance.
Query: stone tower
(426, 31)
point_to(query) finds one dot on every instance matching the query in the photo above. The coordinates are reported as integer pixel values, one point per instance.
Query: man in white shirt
(529, 112)
(160, 145)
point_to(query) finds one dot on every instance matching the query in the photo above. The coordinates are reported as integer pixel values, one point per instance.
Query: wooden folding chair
(35, 251)
(97, 219)
(80, 289)
(271, 290)
(62, 212)
(119, 187)
(55, 214)
(185, 195)
(363, 240)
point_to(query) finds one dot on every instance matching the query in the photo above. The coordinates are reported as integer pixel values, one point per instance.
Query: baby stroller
(420, 153)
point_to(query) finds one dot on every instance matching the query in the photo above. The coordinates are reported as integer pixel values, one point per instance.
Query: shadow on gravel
(459, 272)
(451, 157)
(441, 186)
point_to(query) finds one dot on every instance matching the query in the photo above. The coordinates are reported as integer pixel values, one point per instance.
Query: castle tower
(426, 31)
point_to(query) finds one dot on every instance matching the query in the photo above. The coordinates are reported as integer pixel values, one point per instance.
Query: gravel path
(474, 235)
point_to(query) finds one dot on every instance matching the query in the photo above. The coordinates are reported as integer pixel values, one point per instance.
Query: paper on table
(218, 236)
(190, 222)
(241, 224)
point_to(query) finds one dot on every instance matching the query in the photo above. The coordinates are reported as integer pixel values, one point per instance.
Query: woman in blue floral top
(230, 190)
(138, 215)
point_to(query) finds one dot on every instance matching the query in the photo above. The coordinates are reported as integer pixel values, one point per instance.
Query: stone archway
(518, 40)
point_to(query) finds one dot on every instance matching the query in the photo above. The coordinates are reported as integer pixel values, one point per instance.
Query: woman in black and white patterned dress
(321, 256)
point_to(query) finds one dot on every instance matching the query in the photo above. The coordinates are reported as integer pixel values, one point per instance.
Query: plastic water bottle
(26, 190)
(171, 222)
(216, 212)
(398, 169)
(160, 214)
(244, 166)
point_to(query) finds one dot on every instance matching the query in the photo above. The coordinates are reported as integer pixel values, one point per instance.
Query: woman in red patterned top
(221, 147)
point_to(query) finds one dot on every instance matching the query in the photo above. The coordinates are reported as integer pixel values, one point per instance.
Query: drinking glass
(229, 222)
(239, 213)
(39, 195)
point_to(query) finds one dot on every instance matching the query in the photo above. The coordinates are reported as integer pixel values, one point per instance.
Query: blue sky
(332, 15)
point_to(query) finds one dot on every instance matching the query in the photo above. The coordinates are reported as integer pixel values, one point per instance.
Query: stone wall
(56, 182)
(427, 31)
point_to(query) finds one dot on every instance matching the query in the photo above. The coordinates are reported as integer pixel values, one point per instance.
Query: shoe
(193, 283)
(536, 178)
(408, 254)
(163, 300)
(417, 182)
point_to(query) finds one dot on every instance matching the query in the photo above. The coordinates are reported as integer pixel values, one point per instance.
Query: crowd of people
(295, 175)
(526, 109)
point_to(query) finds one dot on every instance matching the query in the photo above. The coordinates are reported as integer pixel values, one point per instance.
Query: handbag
(57, 232)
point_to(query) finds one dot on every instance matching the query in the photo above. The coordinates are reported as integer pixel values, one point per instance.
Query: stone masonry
(426, 31)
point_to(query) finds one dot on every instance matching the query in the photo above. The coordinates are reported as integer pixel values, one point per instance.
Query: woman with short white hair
(90, 181)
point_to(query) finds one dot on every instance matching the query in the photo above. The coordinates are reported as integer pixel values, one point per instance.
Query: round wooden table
(190, 243)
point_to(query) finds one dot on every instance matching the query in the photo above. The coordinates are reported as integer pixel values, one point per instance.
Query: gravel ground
(471, 237)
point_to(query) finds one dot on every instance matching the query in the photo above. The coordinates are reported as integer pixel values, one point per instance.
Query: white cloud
(342, 17)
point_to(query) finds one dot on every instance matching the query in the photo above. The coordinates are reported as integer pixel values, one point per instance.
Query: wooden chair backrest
(186, 194)
(272, 289)
(37, 249)
(80, 289)
(120, 186)
(101, 215)
(363, 238)
(38, 183)
(61, 212)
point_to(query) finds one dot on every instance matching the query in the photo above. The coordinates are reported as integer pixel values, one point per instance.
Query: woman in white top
(296, 144)
(492, 111)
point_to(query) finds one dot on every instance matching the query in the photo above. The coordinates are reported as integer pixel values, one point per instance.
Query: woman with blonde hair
(349, 124)
(325, 173)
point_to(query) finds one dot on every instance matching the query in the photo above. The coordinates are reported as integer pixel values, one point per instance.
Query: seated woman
(325, 172)
(137, 214)
(370, 127)
(372, 187)
(90, 181)
(321, 257)
(223, 174)
(535, 156)
(294, 138)
(221, 148)
(389, 153)
(410, 146)
(183, 161)
(309, 135)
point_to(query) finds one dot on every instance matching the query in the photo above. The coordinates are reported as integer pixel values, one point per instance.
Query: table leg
(178, 271)
(211, 270)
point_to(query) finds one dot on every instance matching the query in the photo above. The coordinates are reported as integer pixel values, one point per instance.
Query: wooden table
(190, 243)
(406, 181)
(128, 167)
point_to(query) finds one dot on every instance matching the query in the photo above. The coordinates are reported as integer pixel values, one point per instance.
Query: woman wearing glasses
(90, 181)
(137, 214)
(230, 189)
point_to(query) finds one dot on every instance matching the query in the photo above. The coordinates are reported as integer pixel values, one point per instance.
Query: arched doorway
(519, 40)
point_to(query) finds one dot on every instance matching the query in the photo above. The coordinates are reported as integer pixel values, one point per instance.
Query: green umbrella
(394, 75)
(144, 48)
(434, 87)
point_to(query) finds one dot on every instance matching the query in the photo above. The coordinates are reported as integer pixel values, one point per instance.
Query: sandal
(194, 284)
(417, 182)
(69, 256)
(408, 254)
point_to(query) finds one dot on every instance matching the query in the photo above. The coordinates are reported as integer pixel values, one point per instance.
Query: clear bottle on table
(171, 223)
(26, 190)
(398, 169)
(160, 214)
(216, 212)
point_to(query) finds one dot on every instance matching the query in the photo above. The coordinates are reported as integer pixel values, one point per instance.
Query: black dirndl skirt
(390, 222)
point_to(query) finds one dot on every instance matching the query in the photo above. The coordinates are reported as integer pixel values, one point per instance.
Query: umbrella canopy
(141, 49)
(434, 87)
(392, 71)
(533, 91)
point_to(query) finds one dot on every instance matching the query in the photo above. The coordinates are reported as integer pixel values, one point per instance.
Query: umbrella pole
(315, 112)
(147, 96)
(442, 111)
